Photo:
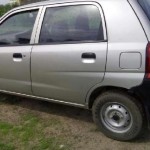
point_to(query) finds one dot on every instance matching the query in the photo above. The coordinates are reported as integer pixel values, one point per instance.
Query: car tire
(118, 115)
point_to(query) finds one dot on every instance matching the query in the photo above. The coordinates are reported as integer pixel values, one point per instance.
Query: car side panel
(59, 73)
(142, 16)
(15, 76)
(125, 35)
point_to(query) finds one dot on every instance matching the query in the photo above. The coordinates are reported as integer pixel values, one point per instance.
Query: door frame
(33, 35)
(39, 26)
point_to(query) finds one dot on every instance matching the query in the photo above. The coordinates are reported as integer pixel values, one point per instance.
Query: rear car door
(70, 54)
(16, 33)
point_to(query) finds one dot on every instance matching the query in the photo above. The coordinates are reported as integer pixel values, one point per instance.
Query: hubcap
(116, 117)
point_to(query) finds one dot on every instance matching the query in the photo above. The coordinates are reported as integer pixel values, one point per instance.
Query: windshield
(145, 4)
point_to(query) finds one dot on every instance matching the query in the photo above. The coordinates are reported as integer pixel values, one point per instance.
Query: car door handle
(89, 55)
(88, 58)
(17, 57)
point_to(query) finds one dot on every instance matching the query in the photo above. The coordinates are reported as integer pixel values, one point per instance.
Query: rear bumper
(143, 91)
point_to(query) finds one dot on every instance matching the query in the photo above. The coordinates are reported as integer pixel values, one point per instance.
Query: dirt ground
(76, 125)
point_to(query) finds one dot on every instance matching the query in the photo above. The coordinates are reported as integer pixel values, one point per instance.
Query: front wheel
(118, 115)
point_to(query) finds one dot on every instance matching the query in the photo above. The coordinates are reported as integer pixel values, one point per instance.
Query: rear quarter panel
(125, 35)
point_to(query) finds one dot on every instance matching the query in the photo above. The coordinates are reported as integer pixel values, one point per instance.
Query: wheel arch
(99, 90)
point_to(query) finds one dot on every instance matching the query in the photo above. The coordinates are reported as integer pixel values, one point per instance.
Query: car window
(17, 29)
(72, 23)
(145, 4)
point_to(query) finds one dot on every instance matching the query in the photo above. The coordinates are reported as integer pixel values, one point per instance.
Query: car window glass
(72, 23)
(17, 29)
(145, 4)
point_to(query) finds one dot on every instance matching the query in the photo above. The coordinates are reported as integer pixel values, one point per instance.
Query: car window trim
(56, 43)
(13, 12)
(39, 28)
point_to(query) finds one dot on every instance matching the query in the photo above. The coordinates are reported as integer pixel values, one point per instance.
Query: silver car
(89, 54)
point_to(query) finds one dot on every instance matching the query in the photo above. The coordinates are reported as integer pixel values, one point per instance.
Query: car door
(70, 54)
(15, 49)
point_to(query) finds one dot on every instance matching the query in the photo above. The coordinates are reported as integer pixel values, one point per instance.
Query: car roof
(51, 2)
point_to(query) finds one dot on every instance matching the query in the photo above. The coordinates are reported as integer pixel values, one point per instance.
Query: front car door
(16, 33)
(70, 54)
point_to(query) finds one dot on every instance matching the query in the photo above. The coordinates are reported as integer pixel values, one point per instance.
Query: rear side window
(145, 4)
(17, 29)
(72, 23)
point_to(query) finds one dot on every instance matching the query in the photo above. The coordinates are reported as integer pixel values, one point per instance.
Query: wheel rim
(116, 117)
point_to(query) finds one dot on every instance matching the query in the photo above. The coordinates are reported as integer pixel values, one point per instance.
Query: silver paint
(58, 71)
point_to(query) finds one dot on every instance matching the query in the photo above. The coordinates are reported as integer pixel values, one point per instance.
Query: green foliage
(6, 8)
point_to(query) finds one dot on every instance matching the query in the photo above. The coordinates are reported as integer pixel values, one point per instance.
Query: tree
(6, 8)
(28, 1)
(12, 2)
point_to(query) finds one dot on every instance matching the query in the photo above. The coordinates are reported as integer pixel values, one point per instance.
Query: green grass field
(31, 132)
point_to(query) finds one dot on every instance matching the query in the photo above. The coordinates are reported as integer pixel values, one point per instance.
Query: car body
(78, 52)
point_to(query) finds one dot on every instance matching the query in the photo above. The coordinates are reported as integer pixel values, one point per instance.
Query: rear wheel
(118, 115)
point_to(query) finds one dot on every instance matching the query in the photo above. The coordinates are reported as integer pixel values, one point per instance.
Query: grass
(29, 133)
(6, 147)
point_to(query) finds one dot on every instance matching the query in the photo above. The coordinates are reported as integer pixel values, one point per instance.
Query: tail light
(148, 61)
